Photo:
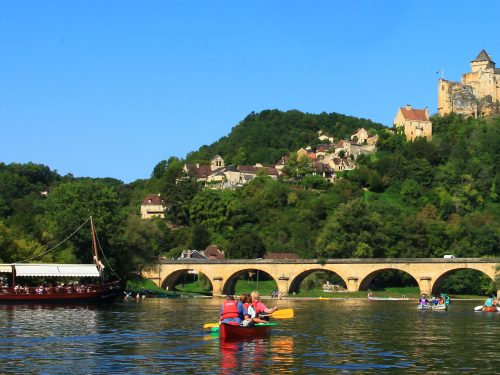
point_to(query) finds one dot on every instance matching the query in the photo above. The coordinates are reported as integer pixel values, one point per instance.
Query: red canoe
(230, 331)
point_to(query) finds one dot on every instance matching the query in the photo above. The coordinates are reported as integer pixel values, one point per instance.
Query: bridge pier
(217, 286)
(425, 285)
(352, 284)
(283, 286)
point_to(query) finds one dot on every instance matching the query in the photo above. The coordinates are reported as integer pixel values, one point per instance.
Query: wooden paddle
(278, 314)
(281, 314)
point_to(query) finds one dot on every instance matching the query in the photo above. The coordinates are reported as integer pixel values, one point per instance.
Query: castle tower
(482, 62)
(477, 94)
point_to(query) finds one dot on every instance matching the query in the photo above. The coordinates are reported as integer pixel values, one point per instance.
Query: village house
(413, 122)
(211, 252)
(323, 169)
(152, 206)
(282, 163)
(322, 150)
(323, 137)
(342, 164)
(360, 136)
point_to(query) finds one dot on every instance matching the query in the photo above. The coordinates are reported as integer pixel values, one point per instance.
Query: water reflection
(166, 336)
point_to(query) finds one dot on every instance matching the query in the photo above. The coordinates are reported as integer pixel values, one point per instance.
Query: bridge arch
(367, 280)
(438, 282)
(297, 280)
(230, 283)
(170, 280)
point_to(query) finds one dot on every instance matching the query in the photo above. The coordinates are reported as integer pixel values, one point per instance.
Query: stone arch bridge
(357, 274)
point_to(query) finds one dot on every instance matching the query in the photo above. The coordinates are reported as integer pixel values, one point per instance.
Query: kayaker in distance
(232, 311)
(259, 306)
(492, 301)
(424, 300)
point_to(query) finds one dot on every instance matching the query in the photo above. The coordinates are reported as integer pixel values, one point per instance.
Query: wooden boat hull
(236, 332)
(102, 294)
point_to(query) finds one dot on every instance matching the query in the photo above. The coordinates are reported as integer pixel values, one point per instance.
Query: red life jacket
(230, 310)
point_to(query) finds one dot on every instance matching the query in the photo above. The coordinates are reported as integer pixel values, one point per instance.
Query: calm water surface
(160, 336)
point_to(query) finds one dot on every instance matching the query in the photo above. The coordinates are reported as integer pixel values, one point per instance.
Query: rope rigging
(56, 246)
(66, 239)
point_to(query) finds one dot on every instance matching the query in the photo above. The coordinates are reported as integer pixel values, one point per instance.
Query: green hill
(266, 136)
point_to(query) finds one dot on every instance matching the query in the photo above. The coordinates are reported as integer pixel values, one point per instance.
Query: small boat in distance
(431, 306)
(371, 298)
(72, 293)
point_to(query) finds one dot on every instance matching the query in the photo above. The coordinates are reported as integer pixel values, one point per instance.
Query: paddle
(278, 314)
(281, 314)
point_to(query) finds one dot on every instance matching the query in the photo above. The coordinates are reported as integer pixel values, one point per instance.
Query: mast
(94, 247)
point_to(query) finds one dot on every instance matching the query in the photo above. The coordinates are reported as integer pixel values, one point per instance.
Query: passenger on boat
(424, 300)
(259, 306)
(489, 301)
(232, 311)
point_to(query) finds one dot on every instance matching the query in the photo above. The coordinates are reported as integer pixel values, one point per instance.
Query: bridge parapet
(329, 261)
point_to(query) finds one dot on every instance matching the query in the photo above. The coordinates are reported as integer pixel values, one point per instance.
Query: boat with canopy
(73, 292)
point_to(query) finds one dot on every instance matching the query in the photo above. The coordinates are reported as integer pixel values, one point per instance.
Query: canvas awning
(57, 270)
(6, 268)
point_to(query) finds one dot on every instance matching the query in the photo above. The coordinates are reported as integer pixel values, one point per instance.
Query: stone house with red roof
(413, 122)
(152, 205)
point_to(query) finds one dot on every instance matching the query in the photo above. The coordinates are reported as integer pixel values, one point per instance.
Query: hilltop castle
(477, 94)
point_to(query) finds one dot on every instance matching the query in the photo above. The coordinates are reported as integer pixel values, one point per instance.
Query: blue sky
(110, 88)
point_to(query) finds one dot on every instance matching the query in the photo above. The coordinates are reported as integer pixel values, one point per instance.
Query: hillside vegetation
(420, 199)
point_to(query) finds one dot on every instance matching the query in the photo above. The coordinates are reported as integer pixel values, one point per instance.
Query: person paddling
(259, 307)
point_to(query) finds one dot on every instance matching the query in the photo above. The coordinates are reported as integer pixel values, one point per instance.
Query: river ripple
(160, 336)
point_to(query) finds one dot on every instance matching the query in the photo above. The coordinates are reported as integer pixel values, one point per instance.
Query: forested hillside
(266, 136)
(420, 199)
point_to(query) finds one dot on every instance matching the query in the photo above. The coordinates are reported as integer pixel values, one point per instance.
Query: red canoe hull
(236, 332)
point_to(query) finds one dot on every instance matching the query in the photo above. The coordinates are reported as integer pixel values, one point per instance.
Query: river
(160, 336)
